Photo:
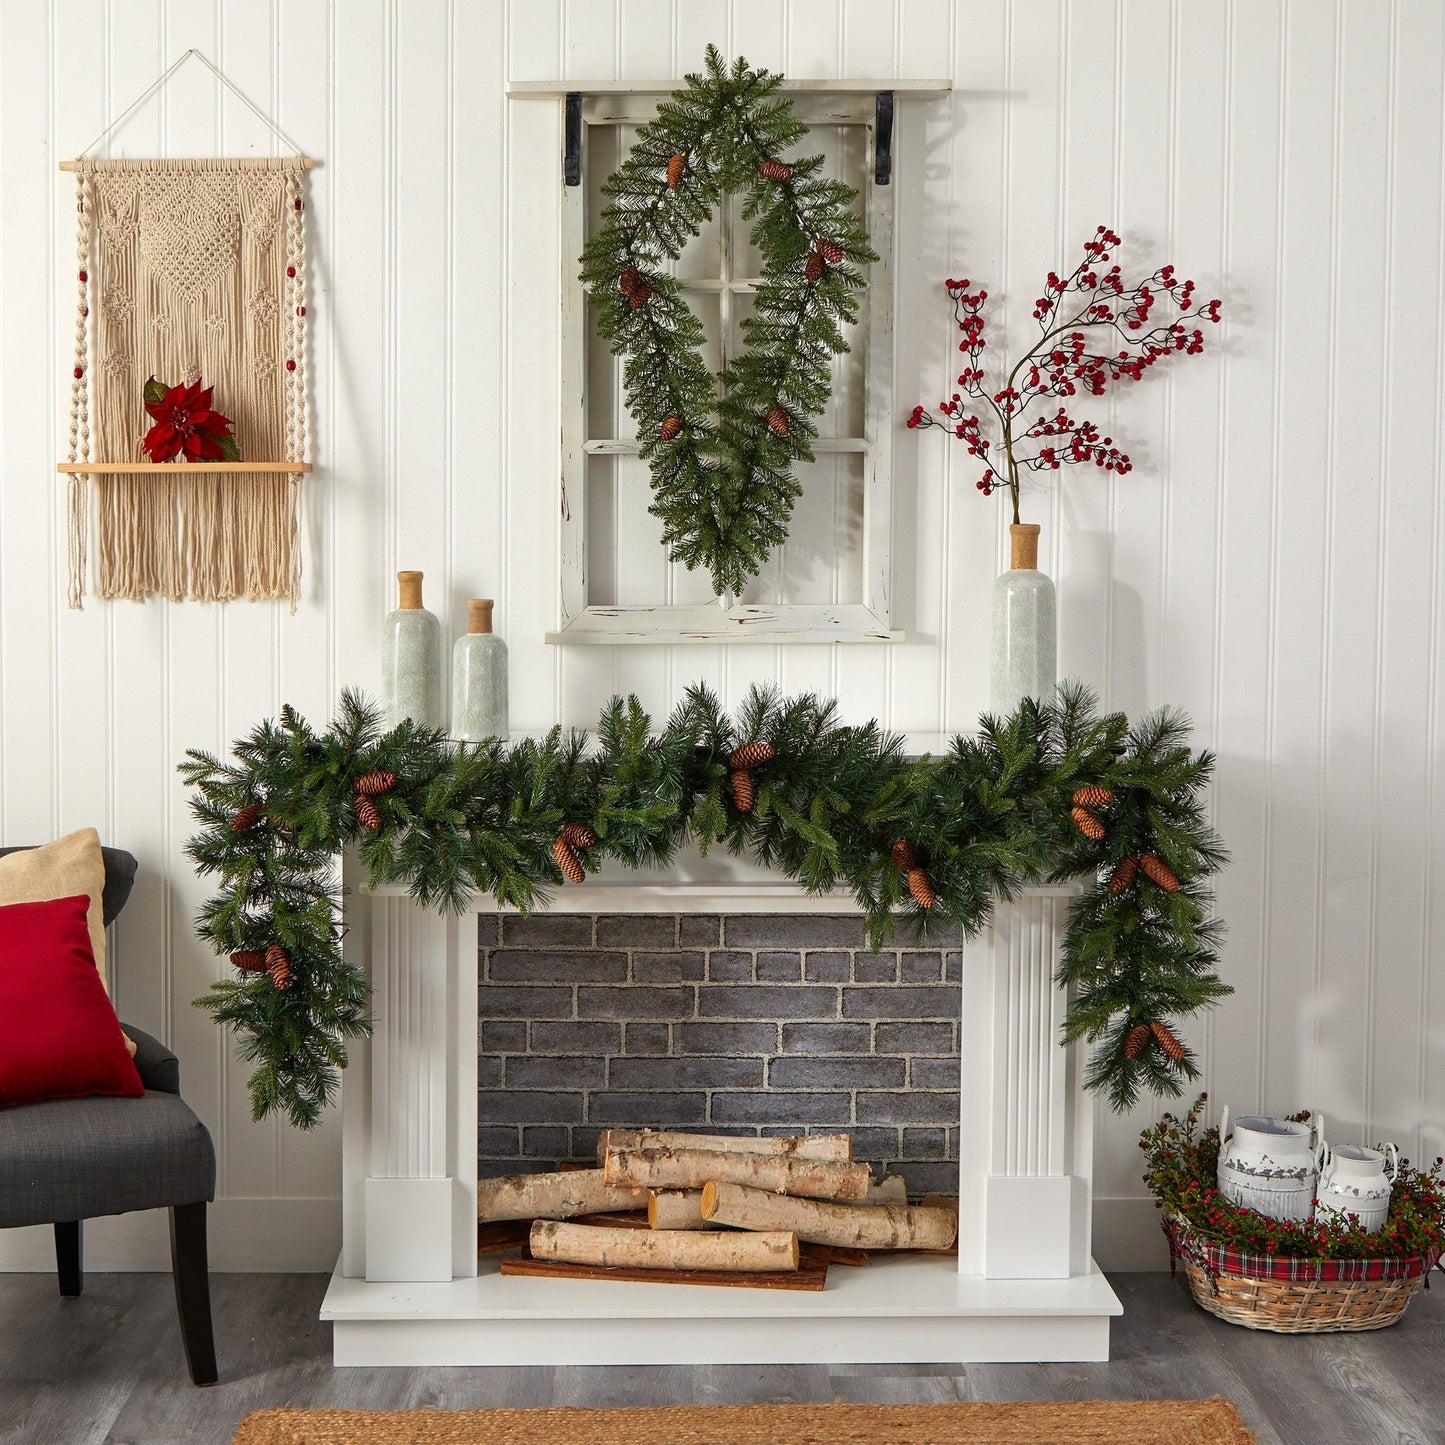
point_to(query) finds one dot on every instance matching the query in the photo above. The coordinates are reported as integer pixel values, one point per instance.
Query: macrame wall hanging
(189, 271)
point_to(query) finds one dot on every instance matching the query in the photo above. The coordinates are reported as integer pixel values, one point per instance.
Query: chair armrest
(158, 1067)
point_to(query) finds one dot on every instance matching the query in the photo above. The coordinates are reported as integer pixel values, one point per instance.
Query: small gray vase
(411, 650)
(1025, 655)
(479, 678)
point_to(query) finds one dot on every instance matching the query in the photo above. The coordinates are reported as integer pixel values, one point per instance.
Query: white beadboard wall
(1273, 564)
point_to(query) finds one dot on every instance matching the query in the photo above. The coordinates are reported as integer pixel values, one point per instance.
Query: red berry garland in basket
(1096, 330)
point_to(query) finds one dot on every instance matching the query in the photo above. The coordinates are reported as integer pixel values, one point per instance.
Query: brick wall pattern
(745, 1024)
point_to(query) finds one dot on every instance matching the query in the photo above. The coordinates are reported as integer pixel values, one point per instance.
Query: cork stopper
(409, 586)
(1024, 545)
(479, 614)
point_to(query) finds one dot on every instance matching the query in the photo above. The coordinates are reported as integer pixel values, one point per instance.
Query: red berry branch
(1082, 318)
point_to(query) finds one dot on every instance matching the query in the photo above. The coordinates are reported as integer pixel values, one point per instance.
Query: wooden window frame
(866, 620)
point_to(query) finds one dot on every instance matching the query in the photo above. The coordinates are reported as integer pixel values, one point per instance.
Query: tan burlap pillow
(62, 869)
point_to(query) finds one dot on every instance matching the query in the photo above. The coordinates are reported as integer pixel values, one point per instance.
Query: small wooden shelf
(103, 468)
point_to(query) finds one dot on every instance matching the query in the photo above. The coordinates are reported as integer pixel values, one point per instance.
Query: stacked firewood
(714, 1202)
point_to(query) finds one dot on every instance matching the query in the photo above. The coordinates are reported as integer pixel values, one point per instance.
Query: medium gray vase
(411, 659)
(1025, 649)
(479, 678)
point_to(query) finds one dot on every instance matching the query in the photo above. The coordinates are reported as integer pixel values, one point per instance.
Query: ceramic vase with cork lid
(1024, 656)
(411, 659)
(479, 678)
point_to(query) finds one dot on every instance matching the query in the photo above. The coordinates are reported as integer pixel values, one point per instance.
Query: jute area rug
(1144, 1422)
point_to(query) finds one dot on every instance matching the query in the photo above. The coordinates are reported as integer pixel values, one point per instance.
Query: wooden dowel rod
(179, 468)
(306, 163)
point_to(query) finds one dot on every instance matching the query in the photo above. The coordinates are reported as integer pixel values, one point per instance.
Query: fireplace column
(1026, 1138)
(409, 1165)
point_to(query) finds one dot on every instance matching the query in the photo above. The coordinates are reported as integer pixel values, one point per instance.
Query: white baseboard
(1127, 1236)
(261, 1236)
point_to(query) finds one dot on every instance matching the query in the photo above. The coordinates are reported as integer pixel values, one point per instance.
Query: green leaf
(229, 449)
(155, 391)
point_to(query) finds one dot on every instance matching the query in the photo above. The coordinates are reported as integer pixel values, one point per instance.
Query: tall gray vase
(411, 659)
(479, 678)
(1025, 649)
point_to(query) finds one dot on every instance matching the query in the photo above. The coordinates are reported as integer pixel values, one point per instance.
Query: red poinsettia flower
(185, 425)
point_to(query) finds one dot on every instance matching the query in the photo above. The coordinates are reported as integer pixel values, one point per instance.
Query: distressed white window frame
(727, 619)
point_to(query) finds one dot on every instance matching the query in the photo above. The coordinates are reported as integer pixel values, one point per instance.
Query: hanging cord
(165, 75)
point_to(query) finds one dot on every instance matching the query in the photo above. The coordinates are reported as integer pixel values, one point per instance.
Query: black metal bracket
(572, 153)
(883, 137)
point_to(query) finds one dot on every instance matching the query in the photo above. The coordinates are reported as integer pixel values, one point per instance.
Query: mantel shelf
(115, 468)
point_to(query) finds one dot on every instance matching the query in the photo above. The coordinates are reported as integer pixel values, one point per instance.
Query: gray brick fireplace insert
(746, 1023)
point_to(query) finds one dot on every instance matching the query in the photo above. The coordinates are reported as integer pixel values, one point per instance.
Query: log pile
(717, 1209)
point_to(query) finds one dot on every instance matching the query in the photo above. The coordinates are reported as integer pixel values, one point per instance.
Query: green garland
(830, 806)
(724, 489)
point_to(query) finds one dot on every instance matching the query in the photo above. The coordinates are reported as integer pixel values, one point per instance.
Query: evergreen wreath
(724, 489)
(1056, 791)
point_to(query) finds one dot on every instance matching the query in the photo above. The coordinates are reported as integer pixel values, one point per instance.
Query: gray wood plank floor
(106, 1369)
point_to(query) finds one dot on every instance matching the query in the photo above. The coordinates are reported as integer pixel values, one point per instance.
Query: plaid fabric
(1226, 1259)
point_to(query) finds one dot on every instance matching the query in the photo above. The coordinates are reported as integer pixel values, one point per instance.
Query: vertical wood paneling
(1274, 564)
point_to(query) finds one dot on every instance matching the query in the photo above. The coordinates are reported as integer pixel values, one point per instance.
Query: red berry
(290, 366)
(79, 372)
(290, 270)
(298, 203)
(85, 276)
(301, 311)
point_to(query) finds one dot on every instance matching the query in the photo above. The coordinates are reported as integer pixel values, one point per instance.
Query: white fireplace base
(898, 1310)
(409, 1289)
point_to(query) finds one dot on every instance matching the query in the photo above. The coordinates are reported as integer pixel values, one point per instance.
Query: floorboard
(106, 1369)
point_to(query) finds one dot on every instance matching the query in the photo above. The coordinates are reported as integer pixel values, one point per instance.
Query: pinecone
(629, 280)
(814, 267)
(278, 965)
(676, 170)
(921, 888)
(830, 251)
(1123, 874)
(904, 858)
(1164, 1037)
(776, 170)
(1137, 1041)
(641, 295)
(374, 784)
(249, 961)
(778, 422)
(367, 813)
(1158, 872)
(246, 818)
(577, 835)
(749, 755)
(741, 782)
(671, 425)
(568, 862)
(1092, 797)
(1087, 824)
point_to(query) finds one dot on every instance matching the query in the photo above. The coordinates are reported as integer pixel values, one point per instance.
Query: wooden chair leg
(193, 1290)
(68, 1258)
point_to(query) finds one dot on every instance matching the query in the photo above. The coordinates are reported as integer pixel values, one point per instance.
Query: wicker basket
(1305, 1296)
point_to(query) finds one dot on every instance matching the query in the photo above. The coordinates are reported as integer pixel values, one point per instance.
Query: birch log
(552, 1196)
(892, 1190)
(692, 1168)
(675, 1209)
(759, 1253)
(888, 1226)
(835, 1147)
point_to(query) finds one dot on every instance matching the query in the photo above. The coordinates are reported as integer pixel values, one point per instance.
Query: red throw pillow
(59, 1036)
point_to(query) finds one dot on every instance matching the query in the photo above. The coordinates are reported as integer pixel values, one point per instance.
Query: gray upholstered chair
(68, 1160)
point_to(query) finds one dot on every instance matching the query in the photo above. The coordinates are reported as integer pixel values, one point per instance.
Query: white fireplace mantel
(408, 1290)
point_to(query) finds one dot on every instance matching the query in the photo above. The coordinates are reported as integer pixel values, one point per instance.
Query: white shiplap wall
(1274, 564)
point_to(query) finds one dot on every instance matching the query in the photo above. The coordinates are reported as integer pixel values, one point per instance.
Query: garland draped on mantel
(1053, 792)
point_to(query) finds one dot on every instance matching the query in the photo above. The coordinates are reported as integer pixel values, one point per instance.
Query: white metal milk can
(1271, 1165)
